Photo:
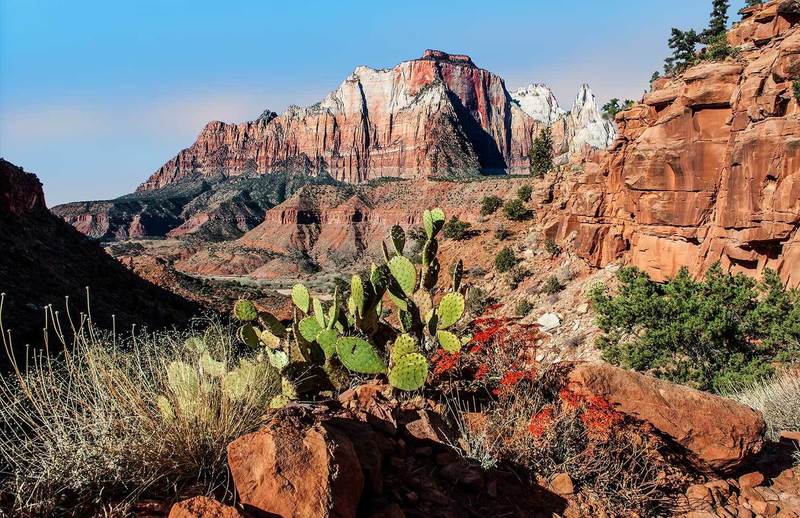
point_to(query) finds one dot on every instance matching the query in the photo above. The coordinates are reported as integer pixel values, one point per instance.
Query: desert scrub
(552, 248)
(796, 90)
(515, 210)
(114, 421)
(490, 204)
(505, 260)
(721, 331)
(536, 422)
(525, 192)
(523, 307)
(552, 285)
(776, 398)
(456, 229)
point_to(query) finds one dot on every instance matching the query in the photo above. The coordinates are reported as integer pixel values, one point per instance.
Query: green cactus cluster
(324, 342)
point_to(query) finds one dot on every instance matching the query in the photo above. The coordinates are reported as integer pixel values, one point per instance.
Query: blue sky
(94, 96)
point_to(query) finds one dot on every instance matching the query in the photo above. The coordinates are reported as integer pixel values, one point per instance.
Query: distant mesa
(439, 55)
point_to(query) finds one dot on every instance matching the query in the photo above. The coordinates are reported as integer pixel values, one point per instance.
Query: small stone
(582, 309)
(548, 321)
(765, 508)
(751, 479)
(203, 507)
(562, 485)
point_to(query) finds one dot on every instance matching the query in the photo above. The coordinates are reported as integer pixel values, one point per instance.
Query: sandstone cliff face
(433, 116)
(705, 169)
(20, 192)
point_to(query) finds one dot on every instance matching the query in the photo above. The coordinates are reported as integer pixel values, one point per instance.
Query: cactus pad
(448, 341)
(249, 335)
(458, 272)
(300, 297)
(358, 355)
(327, 341)
(319, 312)
(245, 311)
(309, 329)
(429, 251)
(269, 339)
(398, 237)
(433, 221)
(357, 294)
(404, 344)
(405, 273)
(450, 310)
(272, 323)
(409, 372)
(210, 366)
(278, 359)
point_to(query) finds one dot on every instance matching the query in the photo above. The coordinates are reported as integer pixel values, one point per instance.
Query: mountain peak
(438, 55)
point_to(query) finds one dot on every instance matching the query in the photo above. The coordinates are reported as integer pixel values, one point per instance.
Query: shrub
(538, 424)
(613, 107)
(515, 210)
(718, 48)
(505, 260)
(502, 233)
(552, 247)
(477, 301)
(541, 154)
(120, 419)
(796, 90)
(456, 229)
(713, 333)
(552, 285)
(525, 192)
(517, 276)
(490, 204)
(777, 400)
(523, 307)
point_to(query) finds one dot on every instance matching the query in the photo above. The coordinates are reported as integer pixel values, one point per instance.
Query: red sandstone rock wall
(706, 169)
(424, 117)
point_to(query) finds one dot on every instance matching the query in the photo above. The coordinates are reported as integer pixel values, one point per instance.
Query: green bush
(517, 275)
(552, 247)
(523, 307)
(714, 333)
(515, 210)
(718, 48)
(505, 260)
(541, 155)
(456, 229)
(502, 233)
(490, 204)
(525, 192)
(796, 90)
(552, 285)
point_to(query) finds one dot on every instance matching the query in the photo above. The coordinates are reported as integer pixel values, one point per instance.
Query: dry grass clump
(103, 421)
(776, 398)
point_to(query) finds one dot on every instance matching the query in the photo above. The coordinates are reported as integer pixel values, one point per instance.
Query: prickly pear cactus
(409, 372)
(405, 274)
(448, 341)
(360, 356)
(404, 344)
(245, 311)
(300, 297)
(398, 237)
(450, 309)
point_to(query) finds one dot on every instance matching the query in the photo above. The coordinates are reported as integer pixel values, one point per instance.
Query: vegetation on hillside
(714, 333)
(713, 38)
(541, 154)
(614, 106)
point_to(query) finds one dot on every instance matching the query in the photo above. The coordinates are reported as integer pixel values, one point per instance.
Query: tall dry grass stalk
(778, 399)
(95, 419)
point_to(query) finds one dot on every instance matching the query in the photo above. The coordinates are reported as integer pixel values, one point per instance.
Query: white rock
(549, 321)
(583, 308)
(586, 125)
(538, 101)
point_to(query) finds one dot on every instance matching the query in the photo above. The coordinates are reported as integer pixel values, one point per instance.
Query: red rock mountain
(44, 259)
(433, 116)
(706, 168)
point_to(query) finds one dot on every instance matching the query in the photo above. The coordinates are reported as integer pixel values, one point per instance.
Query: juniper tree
(541, 155)
(718, 21)
(683, 45)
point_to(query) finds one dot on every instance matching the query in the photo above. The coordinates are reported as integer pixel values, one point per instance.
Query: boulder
(203, 507)
(296, 467)
(718, 432)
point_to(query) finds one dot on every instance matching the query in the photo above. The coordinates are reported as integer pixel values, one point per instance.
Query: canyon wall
(439, 115)
(705, 169)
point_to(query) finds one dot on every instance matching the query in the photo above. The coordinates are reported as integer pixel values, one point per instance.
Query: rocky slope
(705, 169)
(44, 259)
(433, 116)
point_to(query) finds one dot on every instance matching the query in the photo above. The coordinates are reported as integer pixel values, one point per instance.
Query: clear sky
(96, 95)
